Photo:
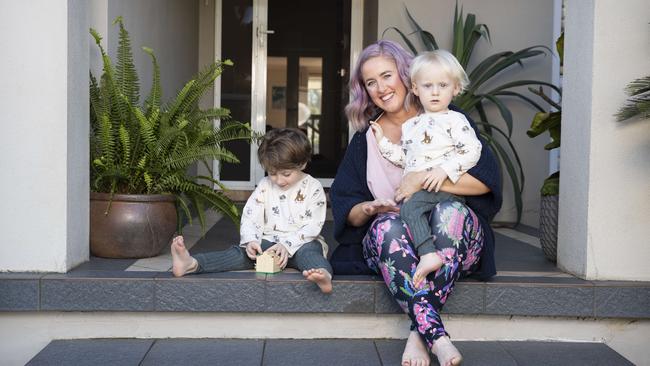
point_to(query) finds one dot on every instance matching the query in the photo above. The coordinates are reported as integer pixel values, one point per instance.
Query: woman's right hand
(364, 211)
(371, 208)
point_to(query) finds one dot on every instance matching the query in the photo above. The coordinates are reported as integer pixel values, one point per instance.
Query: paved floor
(518, 252)
(343, 352)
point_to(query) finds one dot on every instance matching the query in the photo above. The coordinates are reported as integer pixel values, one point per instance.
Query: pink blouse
(383, 177)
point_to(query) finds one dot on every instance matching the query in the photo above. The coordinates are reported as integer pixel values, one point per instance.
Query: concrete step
(344, 352)
(129, 291)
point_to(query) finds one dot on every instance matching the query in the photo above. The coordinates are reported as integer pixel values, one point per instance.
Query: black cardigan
(350, 188)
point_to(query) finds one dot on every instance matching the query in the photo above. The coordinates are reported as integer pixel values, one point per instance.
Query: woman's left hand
(282, 253)
(411, 183)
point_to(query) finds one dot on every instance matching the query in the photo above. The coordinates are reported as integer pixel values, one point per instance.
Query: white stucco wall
(605, 186)
(43, 147)
(513, 25)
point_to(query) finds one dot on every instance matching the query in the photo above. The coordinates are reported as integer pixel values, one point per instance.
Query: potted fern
(140, 155)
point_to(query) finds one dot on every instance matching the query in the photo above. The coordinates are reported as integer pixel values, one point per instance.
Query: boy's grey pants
(415, 213)
(309, 256)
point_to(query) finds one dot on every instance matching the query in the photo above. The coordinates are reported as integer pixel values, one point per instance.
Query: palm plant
(638, 103)
(148, 149)
(466, 33)
(550, 121)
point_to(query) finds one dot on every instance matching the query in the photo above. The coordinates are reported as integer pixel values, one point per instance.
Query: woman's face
(383, 84)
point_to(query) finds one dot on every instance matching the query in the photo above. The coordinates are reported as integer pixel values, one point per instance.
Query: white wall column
(44, 143)
(605, 181)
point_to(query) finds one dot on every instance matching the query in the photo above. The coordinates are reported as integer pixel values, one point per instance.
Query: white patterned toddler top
(430, 140)
(292, 218)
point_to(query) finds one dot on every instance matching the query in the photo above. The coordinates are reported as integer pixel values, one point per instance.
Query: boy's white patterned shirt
(432, 140)
(292, 218)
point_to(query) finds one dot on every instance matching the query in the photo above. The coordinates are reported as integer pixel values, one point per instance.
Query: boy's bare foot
(447, 354)
(415, 352)
(320, 277)
(429, 262)
(182, 261)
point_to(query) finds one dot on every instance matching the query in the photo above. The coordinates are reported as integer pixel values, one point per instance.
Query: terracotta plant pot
(135, 226)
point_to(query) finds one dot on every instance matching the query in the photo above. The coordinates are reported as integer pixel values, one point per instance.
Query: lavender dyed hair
(361, 108)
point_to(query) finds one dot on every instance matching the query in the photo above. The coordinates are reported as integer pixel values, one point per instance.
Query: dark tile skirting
(290, 293)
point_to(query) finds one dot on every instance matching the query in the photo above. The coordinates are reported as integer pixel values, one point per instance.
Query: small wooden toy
(267, 262)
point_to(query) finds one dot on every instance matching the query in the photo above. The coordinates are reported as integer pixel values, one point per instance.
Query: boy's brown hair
(284, 148)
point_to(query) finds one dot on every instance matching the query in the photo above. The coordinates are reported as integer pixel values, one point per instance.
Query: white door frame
(259, 78)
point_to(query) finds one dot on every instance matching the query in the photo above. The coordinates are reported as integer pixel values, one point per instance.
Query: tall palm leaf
(638, 103)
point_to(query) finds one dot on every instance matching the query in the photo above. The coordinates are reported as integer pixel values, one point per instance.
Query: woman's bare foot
(182, 261)
(447, 354)
(320, 277)
(428, 263)
(415, 352)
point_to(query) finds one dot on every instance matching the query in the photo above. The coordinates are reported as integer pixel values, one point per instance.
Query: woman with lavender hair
(367, 224)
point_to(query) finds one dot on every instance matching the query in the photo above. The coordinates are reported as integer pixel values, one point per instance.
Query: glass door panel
(236, 45)
(305, 115)
(276, 92)
(290, 70)
(310, 91)
(308, 56)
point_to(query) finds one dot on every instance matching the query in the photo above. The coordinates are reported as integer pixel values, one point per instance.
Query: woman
(366, 217)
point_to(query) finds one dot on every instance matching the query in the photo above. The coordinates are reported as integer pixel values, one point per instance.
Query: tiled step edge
(290, 293)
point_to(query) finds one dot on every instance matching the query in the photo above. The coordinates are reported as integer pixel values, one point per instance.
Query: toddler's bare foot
(428, 263)
(320, 277)
(182, 261)
(415, 352)
(447, 354)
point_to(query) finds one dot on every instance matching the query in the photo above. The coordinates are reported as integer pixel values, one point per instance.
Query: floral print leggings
(388, 250)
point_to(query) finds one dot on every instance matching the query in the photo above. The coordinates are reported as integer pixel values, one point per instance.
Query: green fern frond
(147, 133)
(127, 77)
(195, 88)
(211, 180)
(178, 101)
(185, 158)
(214, 113)
(96, 105)
(200, 210)
(168, 135)
(152, 103)
(148, 181)
(233, 131)
(125, 141)
(219, 202)
(107, 147)
(182, 210)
